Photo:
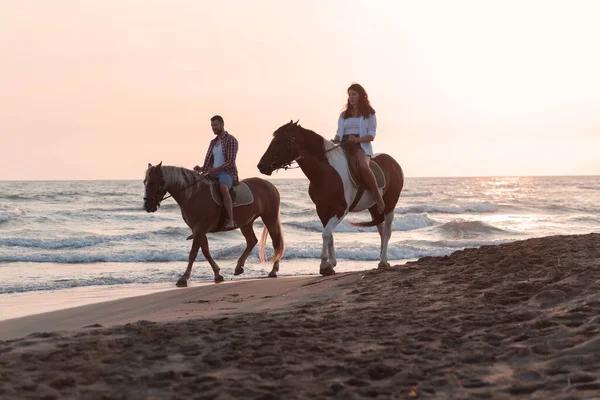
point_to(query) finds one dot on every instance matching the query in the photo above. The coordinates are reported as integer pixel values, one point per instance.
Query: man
(220, 163)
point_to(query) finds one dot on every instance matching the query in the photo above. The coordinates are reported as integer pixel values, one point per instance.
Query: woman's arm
(340, 130)
(371, 131)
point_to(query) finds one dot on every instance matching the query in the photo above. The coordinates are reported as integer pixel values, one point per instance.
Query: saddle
(241, 195)
(353, 167)
(377, 171)
(355, 176)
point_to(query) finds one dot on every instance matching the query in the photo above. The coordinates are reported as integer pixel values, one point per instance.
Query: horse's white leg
(386, 234)
(380, 230)
(332, 258)
(326, 267)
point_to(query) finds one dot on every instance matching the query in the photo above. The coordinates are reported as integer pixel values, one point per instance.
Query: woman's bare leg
(368, 178)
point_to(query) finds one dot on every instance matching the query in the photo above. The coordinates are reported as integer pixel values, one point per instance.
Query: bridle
(291, 144)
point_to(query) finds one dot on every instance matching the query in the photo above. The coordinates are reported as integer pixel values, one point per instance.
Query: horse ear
(291, 121)
(159, 165)
(296, 123)
(149, 165)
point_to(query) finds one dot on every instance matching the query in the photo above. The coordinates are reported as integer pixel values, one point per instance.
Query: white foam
(8, 212)
(400, 223)
(485, 207)
(89, 241)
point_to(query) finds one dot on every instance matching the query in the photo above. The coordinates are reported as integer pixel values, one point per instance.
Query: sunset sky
(97, 89)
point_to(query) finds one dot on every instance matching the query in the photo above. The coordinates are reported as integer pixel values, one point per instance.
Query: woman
(357, 127)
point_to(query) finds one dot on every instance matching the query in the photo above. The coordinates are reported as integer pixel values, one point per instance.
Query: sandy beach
(518, 320)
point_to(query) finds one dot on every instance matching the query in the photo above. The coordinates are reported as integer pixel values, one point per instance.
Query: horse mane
(335, 156)
(315, 142)
(318, 143)
(180, 178)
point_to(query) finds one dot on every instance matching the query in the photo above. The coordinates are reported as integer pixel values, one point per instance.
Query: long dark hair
(364, 106)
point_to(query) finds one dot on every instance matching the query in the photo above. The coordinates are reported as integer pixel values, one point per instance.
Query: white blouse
(366, 127)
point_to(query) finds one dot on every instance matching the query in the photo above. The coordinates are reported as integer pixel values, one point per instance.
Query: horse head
(283, 149)
(154, 184)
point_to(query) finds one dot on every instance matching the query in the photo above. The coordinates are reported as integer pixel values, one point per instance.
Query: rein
(200, 179)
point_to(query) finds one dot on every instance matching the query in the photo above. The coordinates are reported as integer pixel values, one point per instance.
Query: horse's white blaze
(146, 182)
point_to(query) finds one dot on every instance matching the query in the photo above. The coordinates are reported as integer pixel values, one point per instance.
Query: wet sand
(519, 320)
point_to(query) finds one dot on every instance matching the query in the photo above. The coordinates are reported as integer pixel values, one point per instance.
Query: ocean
(94, 236)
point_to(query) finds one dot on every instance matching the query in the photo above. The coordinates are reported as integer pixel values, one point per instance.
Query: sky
(99, 89)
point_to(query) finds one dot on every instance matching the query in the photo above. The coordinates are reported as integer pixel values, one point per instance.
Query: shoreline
(516, 320)
(20, 304)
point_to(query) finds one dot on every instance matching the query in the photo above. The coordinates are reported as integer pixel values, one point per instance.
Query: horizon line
(304, 178)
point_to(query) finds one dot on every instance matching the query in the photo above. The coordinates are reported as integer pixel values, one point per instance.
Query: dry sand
(519, 320)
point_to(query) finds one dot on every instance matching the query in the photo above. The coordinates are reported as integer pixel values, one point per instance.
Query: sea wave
(138, 208)
(462, 228)
(8, 212)
(90, 240)
(352, 251)
(400, 223)
(589, 187)
(36, 285)
(485, 207)
(416, 194)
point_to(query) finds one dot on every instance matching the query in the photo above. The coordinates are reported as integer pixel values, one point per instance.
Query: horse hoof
(272, 274)
(190, 237)
(327, 271)
(383, 265)
(239, 271)
(181, 282)
(219, 278)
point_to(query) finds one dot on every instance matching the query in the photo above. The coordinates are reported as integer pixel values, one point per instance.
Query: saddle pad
(377, 171)
(241, 195)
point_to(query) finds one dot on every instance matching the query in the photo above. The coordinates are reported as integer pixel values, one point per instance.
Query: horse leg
(386, 233)
(383, 235)
(182, 282)
(206, 253)
(273, 226)
(326, 267)
(251, 241)
(332, 258)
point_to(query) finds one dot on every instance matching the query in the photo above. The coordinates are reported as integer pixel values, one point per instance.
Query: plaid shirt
(229, 145)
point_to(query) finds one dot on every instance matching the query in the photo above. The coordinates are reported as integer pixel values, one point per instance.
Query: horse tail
(377, 219)
(262, 250)
(276, 233)
(280, 245)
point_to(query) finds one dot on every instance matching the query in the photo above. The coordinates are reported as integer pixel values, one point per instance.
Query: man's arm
(206, 166)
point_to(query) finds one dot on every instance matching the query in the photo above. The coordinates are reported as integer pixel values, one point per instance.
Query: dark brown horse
(203, 215)
(331, 188)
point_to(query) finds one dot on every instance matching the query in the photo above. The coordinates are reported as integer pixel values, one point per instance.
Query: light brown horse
(202, 214)
(331, 189)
